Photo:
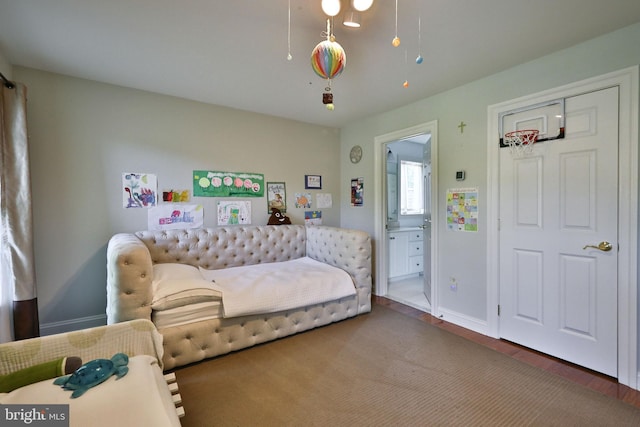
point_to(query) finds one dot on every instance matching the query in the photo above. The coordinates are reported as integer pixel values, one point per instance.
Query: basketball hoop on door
(520, 142)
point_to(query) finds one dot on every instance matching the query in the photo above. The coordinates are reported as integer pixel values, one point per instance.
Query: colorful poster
(139, 190)
(313, 217)
(303, 200)
(276, 196)
(357, 192)
(227, 184)
(231, 212)
(462, 209)
(174, 216)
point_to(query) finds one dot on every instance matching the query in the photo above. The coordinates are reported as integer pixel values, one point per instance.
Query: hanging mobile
(396, 40)
(327, 98)
(328, 59)
(419, 58)
(289, 57)
(406, 82)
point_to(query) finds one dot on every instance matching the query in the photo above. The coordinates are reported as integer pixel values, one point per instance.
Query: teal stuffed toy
(93, 373)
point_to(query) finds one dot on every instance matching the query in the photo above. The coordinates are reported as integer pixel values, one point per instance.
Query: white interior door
(557, 294)
(426, 263)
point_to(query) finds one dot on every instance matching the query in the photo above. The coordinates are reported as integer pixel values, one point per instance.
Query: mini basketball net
(521, 142)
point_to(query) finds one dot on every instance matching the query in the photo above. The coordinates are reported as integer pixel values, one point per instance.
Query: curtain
(19, 308)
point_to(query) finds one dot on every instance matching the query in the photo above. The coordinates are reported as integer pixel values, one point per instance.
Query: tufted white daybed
(205, 331)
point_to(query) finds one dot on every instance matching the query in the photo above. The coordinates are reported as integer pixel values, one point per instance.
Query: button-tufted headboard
(215, 248)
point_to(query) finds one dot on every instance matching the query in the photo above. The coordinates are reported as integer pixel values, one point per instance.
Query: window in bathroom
(411, 188)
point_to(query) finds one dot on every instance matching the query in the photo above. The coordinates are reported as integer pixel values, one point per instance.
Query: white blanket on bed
(278, 286)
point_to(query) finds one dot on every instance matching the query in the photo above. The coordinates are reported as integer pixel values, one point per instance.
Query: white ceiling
(234, 52)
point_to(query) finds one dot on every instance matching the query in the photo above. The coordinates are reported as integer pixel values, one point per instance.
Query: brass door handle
(603, 246)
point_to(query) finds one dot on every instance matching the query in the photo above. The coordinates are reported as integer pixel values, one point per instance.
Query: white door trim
(380, 159)
(627, 81)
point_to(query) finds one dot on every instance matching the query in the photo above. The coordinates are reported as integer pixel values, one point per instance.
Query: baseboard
(476, 325)
(72, 324)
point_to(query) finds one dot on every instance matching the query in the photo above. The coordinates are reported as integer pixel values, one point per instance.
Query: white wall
(5, 67)
(462, 255)
(84, 135)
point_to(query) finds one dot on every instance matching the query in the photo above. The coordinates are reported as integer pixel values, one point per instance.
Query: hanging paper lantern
(328, 59)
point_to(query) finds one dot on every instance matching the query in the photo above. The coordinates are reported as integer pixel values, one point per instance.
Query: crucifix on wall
(461, 126)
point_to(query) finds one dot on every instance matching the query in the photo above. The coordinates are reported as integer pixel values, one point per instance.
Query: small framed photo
(313, 182)
(276, 196)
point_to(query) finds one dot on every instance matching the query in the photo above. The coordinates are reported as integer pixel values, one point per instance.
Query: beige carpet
(385, 369)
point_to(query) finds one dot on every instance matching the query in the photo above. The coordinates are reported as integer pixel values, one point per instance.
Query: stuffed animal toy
(93, 373)
(278, 218)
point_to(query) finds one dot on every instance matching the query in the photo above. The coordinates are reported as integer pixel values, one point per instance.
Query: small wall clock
(356, 154)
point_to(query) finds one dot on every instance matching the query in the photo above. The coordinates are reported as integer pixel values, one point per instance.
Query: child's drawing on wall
(234, 212)
(303, 200)
(139, 190)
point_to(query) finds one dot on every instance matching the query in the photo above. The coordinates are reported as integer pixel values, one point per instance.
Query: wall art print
(231, 212)
(276, 196)
(303, 200)
(324, 200)
(313, 217)
(357, 192)
(227, 184)
(139, 190)
(173, 217)
(312, 182)
(462, 209)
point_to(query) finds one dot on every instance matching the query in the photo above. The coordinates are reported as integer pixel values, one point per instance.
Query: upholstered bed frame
(130, 260)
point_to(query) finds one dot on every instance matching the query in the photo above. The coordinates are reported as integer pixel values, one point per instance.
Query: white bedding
(273, 287)
(140, 398)
(187, 314)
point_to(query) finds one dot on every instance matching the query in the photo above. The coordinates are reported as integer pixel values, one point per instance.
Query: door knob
(603, 246)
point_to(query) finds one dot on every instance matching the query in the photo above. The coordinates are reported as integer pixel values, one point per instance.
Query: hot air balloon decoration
(328, 60)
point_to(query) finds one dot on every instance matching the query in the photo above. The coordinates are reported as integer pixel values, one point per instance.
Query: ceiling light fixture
(351, 19)
(331, 7)
(362, 5)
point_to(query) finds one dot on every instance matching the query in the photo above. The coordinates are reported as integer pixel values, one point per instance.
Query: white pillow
(175, 285)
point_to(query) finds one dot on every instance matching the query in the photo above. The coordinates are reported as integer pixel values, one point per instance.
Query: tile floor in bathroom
(409, 292)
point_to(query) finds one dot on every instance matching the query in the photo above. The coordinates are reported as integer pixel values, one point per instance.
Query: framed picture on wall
(313, 182)
(276, 196)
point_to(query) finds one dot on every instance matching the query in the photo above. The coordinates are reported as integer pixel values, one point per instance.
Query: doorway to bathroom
(405, 212)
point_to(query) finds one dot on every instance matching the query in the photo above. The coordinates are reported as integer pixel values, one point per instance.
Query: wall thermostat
(460, 176)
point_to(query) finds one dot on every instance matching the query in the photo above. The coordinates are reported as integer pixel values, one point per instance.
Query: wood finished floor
(593, 380)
